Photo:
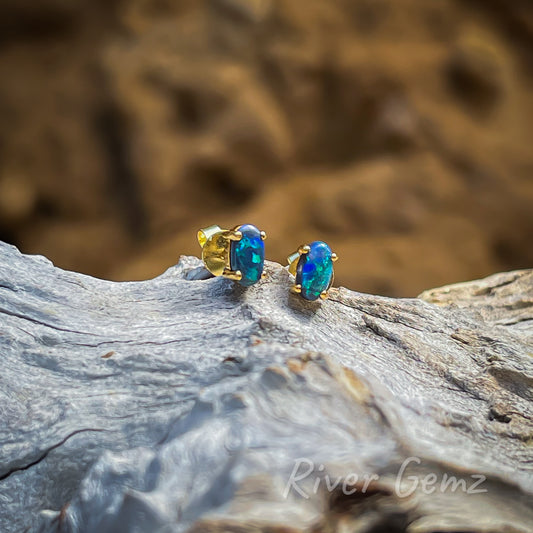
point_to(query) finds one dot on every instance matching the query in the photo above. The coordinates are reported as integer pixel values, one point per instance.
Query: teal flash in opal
(314, 272)
(247, 255)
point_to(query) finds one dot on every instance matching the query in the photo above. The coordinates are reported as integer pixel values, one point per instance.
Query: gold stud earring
(237, 254)
(312, 266)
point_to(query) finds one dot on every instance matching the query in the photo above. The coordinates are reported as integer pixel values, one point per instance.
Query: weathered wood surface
(183, 403)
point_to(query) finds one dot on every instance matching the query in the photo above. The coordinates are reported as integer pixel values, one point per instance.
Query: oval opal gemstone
(314, 271)
(248, 255)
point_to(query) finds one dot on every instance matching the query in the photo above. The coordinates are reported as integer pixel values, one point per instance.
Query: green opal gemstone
(248, 255)
(314, 272)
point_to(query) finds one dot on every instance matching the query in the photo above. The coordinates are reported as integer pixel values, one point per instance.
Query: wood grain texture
(185, 403)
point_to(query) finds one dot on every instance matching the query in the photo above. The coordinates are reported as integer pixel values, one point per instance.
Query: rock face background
(399, 131)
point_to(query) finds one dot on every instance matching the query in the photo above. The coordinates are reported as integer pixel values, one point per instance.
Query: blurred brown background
(400, 131)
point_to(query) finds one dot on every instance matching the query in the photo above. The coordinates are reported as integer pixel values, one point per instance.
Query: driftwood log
(186, 403)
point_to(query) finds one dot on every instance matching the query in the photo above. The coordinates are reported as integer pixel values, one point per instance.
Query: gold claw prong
(324, 295)
(296, 289)
(334, 257)
(305, 249)
(235, 275)
(263, 275)
(263, 235)
(234, 235)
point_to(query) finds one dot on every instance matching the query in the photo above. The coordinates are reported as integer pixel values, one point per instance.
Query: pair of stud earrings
(239, 254)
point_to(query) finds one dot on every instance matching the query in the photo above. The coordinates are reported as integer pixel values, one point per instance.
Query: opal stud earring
(312, 266)
(237, 254)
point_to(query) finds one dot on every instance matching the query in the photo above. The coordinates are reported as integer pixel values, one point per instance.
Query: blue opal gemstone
(248, 255)
(314, 271)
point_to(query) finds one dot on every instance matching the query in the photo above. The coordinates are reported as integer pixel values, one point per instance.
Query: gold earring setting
(312, 266)
(237, 254)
